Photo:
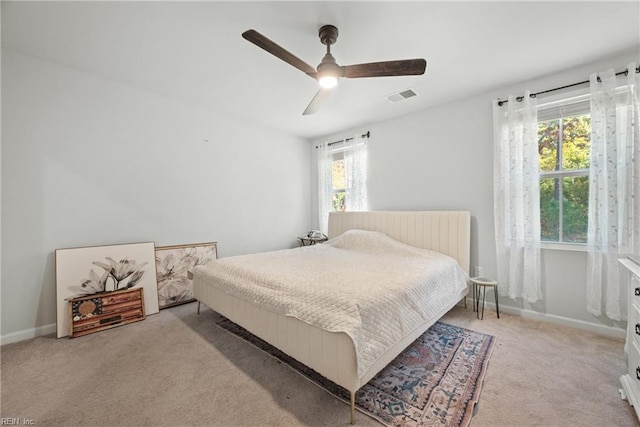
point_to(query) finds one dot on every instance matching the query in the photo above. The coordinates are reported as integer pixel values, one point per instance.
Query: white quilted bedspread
(362, 283)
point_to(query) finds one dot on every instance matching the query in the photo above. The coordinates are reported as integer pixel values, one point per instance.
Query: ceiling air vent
(401, 96)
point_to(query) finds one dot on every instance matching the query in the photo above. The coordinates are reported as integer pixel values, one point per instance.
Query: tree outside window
(338, 185)
(564, 155)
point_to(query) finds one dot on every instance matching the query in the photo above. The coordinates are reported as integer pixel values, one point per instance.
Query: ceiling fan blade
(278, 51)
(317, 101)
(406, 67)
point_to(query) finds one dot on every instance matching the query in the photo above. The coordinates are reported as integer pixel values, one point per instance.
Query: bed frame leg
(353, 408)
(198, 312)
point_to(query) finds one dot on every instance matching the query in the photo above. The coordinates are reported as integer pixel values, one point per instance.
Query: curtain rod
(364, 135)
(533, 95)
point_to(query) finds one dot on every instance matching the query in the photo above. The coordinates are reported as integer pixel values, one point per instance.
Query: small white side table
(483, 282)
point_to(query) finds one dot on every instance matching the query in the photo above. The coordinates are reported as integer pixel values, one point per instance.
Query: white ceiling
(194, 52)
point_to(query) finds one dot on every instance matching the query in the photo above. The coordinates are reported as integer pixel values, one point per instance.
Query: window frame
(557, 108)
(338, 153)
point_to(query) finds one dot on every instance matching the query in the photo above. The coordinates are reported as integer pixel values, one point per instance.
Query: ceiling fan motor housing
(328, 63)
(328, 34)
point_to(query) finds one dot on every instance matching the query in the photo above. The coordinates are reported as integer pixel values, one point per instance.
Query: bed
(338, 339)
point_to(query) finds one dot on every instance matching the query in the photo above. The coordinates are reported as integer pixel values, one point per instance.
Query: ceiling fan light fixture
(328, 81)
(328, 72)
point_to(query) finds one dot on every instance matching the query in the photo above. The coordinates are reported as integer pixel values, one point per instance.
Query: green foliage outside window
(338, 180)
(564, 146)
(576, 209)
(549, 211)
(338, 202)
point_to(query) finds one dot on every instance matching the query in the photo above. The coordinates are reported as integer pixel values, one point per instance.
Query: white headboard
(448, 232)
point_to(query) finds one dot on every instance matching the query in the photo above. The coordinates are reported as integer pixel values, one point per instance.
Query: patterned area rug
(436, 381)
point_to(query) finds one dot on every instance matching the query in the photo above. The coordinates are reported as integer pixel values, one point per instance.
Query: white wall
(88, 161)
(442, 158)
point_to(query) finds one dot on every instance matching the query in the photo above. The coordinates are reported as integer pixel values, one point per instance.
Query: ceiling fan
(328, 71)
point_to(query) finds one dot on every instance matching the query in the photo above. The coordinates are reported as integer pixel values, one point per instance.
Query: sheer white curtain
(355, 168)
(325, 188)
(516, 190)
(614, 188)
(354, 153)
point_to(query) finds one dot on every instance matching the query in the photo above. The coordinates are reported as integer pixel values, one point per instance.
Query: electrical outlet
(479, 271)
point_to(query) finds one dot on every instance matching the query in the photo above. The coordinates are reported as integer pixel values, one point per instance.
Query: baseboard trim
(609, 331)
(27, 334)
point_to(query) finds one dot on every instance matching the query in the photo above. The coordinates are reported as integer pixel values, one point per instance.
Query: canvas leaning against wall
(174, 265)
(104, 269)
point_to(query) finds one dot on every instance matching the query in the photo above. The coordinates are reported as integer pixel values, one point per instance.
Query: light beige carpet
(178, 369)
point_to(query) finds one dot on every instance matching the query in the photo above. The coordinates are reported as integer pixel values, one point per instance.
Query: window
(342, 178)
(338, 183)
(564, 143)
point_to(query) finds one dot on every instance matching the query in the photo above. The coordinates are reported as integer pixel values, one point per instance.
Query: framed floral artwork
(174, 266)
(98, 270)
